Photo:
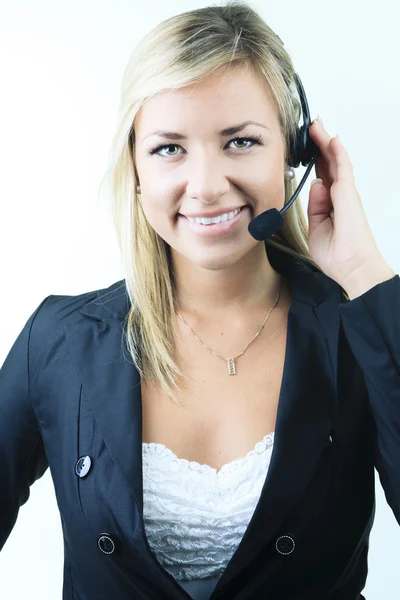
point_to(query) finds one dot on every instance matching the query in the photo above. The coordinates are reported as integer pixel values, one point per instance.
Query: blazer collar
(307, 285)
(305, 412)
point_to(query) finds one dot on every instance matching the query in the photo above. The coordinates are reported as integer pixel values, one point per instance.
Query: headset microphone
(302, 149)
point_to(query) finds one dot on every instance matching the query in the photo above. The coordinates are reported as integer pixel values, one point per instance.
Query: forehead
(221, 99)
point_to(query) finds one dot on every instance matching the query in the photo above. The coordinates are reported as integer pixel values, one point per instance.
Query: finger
(320, 203)
(322, 139)
(344, 167)
(322, 171)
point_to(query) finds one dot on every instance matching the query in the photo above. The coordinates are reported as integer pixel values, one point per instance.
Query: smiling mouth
(241, 208)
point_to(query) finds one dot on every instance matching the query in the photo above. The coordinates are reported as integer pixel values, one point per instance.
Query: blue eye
(257, 139)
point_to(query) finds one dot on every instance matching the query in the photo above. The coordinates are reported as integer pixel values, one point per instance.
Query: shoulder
(66, 309)
(46, 324)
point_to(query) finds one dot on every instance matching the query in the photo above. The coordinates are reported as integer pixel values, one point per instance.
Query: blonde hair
(178, 52)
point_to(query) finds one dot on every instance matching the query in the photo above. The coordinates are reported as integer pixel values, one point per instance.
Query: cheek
(271, 186)
(158, 214)
(278, 186)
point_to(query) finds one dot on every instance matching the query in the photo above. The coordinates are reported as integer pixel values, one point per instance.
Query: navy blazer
(68, 390)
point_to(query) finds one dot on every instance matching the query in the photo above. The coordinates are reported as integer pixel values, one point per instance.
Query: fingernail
(316, 181)
(318, 120)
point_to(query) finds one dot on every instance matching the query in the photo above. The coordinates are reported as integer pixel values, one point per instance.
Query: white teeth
(219, 219)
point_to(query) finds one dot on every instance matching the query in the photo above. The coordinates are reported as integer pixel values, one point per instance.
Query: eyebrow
(225, 132)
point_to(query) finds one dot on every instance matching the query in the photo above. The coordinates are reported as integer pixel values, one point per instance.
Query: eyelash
(257, 139)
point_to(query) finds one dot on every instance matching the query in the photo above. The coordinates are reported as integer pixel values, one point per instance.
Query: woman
(178, 476)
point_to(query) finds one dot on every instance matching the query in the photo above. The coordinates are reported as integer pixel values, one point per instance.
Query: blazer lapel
(109, 380)
(306, 405)
(306, 408)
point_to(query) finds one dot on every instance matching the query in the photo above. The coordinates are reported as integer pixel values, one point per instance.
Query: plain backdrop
(61, 66)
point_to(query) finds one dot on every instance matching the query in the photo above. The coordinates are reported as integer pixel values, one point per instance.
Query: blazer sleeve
(371, 323)
(22, 456)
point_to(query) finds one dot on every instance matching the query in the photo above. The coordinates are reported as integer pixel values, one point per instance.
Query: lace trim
(192, 465)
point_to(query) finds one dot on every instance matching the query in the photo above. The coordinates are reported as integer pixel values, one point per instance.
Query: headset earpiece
(302, 150)
(302, 147)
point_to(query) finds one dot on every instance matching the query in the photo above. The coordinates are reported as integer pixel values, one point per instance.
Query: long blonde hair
(178, 52)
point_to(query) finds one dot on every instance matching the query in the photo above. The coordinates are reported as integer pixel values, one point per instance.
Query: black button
(329, 441)
(106, 544)
(82, 467)
(285, 544)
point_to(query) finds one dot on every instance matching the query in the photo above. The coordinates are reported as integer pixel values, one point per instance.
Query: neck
(230, 295)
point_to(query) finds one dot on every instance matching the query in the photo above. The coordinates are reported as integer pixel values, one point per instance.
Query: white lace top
(194, 515)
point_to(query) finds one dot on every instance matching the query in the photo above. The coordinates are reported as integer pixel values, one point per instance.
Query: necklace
(231, 361)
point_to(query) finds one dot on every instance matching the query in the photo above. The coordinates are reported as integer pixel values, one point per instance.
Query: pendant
(231, 366)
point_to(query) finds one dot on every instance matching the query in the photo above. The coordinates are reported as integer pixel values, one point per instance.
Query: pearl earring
(289, 174)
(138, 189)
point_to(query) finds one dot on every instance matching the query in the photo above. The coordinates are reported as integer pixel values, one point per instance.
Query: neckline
(192, 465)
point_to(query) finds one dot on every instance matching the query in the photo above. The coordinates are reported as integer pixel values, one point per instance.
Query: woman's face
(201, 169)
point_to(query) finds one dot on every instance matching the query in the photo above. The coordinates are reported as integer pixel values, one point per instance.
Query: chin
(217, 259)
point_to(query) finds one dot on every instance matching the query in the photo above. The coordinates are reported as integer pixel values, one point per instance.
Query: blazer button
(106, 544)
(329, 441)
(82, 467)
(285, 544)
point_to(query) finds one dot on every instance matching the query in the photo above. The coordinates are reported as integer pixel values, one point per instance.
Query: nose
(208, 180)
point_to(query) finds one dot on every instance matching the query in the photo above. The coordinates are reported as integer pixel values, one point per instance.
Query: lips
(219, 230)
(241, 208)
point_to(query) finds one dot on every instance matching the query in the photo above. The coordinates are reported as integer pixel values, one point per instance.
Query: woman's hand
(340, 239)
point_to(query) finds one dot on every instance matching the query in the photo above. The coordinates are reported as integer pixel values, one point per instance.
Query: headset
(302, 150)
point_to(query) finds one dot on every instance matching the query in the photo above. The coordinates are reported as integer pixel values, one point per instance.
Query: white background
(61, 66)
